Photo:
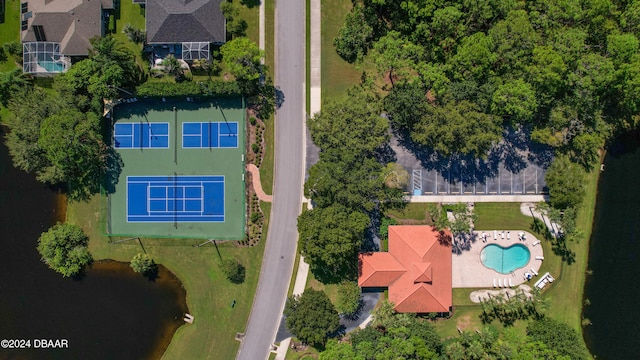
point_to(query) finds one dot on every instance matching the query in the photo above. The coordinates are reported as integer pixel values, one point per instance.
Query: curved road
(280, 250)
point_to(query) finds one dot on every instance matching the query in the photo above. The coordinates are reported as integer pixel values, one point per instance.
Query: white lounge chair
(536, 243)
(539, 257)
(510, 283)
(534, 272)
(495, 283)
(499, 282)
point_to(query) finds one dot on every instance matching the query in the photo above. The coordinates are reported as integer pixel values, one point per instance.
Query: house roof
(416, 269)
(176, 21)
(68, 22)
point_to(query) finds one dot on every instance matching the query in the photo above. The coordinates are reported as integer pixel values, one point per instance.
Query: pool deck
(469, 272)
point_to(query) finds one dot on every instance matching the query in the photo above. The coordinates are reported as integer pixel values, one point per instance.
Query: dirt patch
(464, 322)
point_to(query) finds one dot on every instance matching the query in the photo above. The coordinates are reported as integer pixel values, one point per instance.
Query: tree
(558, 337)
(64, 249)
(107, 52)
(11, 83)
(311, 317)
(405, 104)
(474, 58)
(352, 122)
(395, 176)
(134, 34)
(142, 263)
(515, 100)
(349, 298)
(330, 238)
(355, 36)
(233, 270)
(242, 56)
(348, 178)
(395, 56)
(457, 128)
(566, 183)
(75, 153)
(339, 350)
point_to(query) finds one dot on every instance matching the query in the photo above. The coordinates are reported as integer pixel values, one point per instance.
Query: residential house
(54, 31)
(184, 28)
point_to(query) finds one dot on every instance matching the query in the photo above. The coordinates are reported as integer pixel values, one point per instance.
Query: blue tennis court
(210, 134)
(141, 135)
(175, 199)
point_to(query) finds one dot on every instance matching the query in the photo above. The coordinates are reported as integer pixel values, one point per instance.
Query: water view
(111, 313)
(613, 288)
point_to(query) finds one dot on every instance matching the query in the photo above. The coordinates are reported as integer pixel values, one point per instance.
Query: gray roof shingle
(174, 21)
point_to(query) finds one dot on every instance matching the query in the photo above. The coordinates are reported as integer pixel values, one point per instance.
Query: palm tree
(171, 65)
(203, 64)
(134, 34)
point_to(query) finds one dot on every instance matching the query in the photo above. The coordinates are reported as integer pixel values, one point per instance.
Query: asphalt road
(279, 255)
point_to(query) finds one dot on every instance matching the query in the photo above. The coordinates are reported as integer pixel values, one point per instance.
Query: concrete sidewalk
(298, 289)
(315, 54)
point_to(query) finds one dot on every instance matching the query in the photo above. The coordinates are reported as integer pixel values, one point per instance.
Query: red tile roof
(416, 269)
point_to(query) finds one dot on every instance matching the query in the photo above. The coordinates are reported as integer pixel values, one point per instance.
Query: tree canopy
(511, 62)
(311, 317)
(243, 58)
(559, 337)
(330, 238)
(59, 143)
(566, 182)
(351, 122)
(64, 249)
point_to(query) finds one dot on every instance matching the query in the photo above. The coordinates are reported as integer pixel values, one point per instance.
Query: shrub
(255, 148)
(233, 270)
(142, 263)
(189, 88)
(348, 298)
(255, 217)
(252, 120)
(13, 48)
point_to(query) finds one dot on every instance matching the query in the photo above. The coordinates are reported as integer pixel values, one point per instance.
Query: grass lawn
(209, 294)
(337, 74)
(130, 13)
(266, 168)
(252, 17)
(505, 216)
(566, 296)
(9, 30)
(412, 211)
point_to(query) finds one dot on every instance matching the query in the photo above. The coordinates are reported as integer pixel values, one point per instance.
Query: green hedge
(215, 87)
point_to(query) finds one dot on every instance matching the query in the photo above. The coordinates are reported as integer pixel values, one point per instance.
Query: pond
(613, 289)
(111, 313)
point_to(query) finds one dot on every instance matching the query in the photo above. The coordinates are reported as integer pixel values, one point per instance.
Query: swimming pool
(52, 66)
(505, 260)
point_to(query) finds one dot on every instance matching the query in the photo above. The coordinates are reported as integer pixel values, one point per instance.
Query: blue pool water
(52, 66)
(505, 260)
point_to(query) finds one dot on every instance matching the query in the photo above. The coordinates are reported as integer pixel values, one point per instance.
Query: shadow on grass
(558, 244)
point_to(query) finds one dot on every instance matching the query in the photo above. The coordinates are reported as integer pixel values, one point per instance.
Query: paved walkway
(477, 198)
(257, 185)
(529, 209)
